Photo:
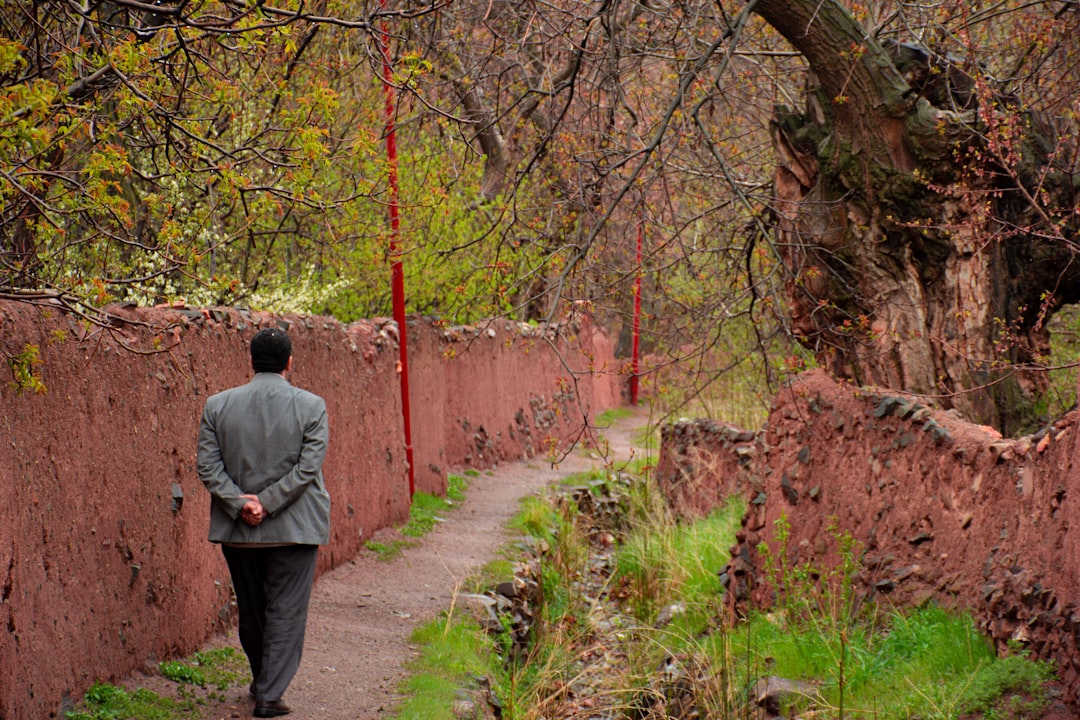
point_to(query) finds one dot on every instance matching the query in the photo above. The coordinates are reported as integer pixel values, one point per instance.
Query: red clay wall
(943, 509)
(104, 563)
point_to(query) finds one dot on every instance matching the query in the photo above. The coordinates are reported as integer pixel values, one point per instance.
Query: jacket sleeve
(308, 468)
(211, 468)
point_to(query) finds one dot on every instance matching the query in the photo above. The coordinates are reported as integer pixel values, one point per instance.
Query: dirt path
(363, 612)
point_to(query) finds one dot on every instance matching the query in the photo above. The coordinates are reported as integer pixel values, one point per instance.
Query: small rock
(772, 692)
(669, 613)
(790, 493)
(465, 709)
(1001, 450)
(886, 407)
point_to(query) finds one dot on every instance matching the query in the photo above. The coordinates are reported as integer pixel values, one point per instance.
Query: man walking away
(261, 450)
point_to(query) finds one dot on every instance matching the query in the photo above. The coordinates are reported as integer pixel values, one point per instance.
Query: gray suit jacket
(266, 438)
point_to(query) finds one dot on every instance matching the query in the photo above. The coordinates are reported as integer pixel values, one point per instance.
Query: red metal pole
(636, 344)
(397, 274)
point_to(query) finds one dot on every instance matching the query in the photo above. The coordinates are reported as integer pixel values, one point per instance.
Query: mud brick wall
(104, 562)
(457, 421)
(943, 509)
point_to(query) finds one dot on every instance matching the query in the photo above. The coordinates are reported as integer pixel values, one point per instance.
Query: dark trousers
(273, 587)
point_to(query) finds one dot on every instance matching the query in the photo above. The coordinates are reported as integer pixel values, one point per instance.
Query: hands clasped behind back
(253, 512)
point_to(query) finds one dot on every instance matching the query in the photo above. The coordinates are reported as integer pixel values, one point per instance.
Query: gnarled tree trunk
(919, 256)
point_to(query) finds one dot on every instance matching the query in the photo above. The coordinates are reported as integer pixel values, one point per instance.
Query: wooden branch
(866, 95)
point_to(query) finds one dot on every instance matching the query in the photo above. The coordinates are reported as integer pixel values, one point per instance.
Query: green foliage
(926, 662)
(676, 561)
(492, 573)
(26, 370)
(456, 485)
(648, 437)
(806, 591)
(182, 673)
(611, 415)
(640, 467)
(387, 551)
(585, 477)
(108, 702)
(860, 662)
(993, 688)
(733, 381)
(275, 197)
(218, 667)
(538, 519)
(424, 514)
(557, 536)
(1064, 356)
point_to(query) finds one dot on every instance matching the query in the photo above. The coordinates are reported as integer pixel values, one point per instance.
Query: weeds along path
(363, 613)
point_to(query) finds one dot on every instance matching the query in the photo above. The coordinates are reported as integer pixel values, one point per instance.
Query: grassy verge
(451, 672)
(200, 679)
(424, 513)
(630, 620)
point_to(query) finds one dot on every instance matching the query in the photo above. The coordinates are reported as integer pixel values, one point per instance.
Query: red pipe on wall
(397, 273)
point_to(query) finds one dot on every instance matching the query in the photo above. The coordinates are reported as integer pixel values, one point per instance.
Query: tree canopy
(892, 186)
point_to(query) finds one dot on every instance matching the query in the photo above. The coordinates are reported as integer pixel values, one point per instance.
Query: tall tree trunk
(914, 263)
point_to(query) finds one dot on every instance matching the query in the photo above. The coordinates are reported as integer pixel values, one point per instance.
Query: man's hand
(253, 512)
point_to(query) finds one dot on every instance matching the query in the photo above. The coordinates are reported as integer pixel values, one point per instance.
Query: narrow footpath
(363, 612)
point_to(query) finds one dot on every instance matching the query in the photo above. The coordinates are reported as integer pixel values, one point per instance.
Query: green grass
(537, 519)
(641, 466)
(610, 416)
(995, 685)
(584, 477)
(647, 437)
(681, 562)
(454, 651)
(491, 574)
(426, 508)
(219, 668)
(424, 513)
(863, 662)
(108, 702)
(926, 663)
(387, 551)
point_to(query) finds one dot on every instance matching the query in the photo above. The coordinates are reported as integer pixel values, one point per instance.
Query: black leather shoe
(271, 708)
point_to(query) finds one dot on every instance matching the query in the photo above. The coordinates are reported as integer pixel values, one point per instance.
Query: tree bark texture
(913, 262)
